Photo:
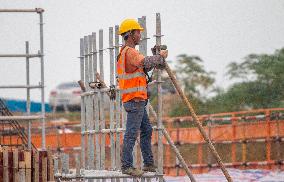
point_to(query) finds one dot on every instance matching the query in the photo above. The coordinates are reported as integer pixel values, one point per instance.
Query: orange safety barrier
(237, 129)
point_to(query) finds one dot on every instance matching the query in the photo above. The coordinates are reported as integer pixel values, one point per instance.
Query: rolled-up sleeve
(135, 58)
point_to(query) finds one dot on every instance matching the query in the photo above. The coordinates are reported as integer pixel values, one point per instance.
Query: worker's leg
(135, 112)
(145, 140)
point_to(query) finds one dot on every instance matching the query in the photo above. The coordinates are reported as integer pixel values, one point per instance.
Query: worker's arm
(149, 62)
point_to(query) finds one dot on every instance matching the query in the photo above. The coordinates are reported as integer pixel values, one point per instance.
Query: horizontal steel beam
(13, 118)
(20, 55)
(36, 10)
(20, 86)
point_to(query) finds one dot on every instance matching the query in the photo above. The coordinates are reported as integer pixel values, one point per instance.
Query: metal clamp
(96, 84)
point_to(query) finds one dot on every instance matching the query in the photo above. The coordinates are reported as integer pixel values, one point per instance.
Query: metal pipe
(102, 174)
(198, 123)
(159, 96)
(143, 47)
(82, 77)
(27, 55)
(87, 110)
(21, 86)
(174, 148)
(102, 96)
(118, 101)
(91, 106)
(36, 10)
(28, 103)
(114, 130)
(19, 118)
(40, 11)
(111, 57)
(96, 103)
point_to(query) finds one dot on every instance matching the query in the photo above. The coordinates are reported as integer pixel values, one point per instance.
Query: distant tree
(261, 86)
(191, 73)
(194, 79)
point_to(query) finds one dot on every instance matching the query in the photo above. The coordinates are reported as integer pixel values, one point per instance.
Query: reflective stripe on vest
(130, 75)
(133, 89)
(132, 85)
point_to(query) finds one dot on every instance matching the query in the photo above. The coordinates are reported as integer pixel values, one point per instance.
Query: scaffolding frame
(93, 124)
(28, 87)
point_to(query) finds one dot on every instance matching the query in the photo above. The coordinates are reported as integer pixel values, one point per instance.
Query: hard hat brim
(141, 29)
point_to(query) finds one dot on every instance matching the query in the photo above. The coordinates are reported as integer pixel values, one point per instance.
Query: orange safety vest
(132, 85)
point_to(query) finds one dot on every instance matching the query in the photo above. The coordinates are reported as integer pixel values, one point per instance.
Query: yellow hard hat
(129, 24)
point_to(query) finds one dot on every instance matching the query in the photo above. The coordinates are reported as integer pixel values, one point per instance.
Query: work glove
(156, 49)
(163, 52)
(160, 64)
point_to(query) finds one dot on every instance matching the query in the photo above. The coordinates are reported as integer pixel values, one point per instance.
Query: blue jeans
(137, 118)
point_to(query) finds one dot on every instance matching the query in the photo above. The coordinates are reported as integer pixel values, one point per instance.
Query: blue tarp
(20, 106)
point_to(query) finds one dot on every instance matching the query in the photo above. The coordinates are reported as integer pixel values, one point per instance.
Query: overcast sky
(218, 31)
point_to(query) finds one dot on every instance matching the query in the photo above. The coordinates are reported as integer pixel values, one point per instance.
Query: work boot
(132, 172)
(150, 168)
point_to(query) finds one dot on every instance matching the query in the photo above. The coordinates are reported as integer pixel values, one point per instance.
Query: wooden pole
(197, 122)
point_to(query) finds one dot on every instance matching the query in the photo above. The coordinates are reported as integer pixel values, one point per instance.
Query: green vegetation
(260, 84)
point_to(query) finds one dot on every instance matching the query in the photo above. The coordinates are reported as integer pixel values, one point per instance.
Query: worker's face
(136, 36)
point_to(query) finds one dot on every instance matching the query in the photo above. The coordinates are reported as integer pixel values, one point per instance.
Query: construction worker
(132, 68)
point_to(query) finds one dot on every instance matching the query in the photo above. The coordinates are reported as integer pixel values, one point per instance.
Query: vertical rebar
(96, 102)
(82, 77)
(91, 105)
(159, 96)
(102, 97)
(28, 102)
(42, 79)
(111, 57)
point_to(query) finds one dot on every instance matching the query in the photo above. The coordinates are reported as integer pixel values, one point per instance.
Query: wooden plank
(10, 165)
(5, 165)
(77, 159)
(22, 176)
(1, 163)
(28, 165)
(44, 169)
(16, 165)
(36, 167)
(50, 166)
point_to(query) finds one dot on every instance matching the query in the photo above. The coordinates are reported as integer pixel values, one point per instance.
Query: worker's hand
(156, 49)
(164, 53)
